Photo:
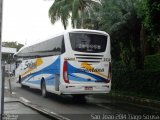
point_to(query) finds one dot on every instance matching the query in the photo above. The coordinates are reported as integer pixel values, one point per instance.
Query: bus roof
(62, 33)
(84, 30)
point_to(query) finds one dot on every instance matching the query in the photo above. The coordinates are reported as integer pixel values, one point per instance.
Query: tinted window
(83, 42)
(53, 46)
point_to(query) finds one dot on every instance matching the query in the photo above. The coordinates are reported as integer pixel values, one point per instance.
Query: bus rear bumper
(85, 88)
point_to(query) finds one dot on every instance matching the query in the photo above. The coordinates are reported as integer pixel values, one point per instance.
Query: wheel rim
(20, 83)
(43, 89)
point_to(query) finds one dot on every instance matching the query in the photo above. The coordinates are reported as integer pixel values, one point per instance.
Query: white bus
(76, 62)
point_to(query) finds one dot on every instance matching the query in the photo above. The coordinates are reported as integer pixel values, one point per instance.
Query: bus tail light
(65, 72)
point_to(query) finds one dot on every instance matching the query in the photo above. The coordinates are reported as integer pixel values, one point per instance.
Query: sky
(27, 21)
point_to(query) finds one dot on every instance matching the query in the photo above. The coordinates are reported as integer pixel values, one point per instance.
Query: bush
(152, 62)
(140, 82)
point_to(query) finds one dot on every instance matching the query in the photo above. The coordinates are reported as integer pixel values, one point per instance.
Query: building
(7, 50)
(10, 52)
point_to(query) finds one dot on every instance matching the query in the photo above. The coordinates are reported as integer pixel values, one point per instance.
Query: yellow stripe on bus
(38, 62)
(87, 66)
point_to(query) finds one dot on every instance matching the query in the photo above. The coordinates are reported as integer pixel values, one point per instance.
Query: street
(92, 108)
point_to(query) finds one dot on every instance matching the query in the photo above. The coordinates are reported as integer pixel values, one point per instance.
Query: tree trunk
(64, 24)
(137, 44)
(142, 45)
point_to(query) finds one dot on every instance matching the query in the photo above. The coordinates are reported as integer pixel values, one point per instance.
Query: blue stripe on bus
(79, 79)
(52, 69)
(49, 81)
(72, 69)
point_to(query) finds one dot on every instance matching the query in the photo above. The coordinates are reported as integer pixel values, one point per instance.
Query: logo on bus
(71, 59)
(30, 65)
(94, 70)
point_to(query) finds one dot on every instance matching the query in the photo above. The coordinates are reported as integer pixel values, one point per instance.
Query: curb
(43, 111)
(152, 104)
(37, 108)
(40, 109)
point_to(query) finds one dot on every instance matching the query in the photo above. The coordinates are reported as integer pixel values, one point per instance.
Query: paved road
(92, 108)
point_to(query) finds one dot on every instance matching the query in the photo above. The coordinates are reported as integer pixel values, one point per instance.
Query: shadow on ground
(67, 99)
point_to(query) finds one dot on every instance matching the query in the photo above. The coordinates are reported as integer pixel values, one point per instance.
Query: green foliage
(60, 9)
(121, 19)
(139, 82)
(13, 45)
(77, 10)
(8, 57)
(153, 15)
(152, 23)
(152, 62)
(127, 21)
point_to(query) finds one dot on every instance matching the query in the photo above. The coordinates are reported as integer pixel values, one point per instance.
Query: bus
(76, 62)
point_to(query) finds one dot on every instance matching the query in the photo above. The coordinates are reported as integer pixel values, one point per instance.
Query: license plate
(88, 88)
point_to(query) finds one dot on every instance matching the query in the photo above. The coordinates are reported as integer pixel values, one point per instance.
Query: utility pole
(1, 86)
(10, 60)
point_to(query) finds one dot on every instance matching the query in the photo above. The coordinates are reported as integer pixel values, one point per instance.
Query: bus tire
(20, 82)
(43, 88)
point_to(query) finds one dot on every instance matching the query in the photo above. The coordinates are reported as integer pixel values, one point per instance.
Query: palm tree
(74, 9)
(121, 19)
(60, 10)
(82, 9)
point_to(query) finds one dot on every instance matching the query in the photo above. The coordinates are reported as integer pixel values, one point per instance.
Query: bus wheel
(43, 89)
(20, 82)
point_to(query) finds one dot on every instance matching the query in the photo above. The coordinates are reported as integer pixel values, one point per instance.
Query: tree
(12, 45)
(82, 9)
(153, 15)
(152, 23)
(77, 10)
(121, 19)
(60, 9)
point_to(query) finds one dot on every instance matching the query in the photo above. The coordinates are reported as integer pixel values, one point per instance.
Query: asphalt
(15, 109)
(19, 108)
